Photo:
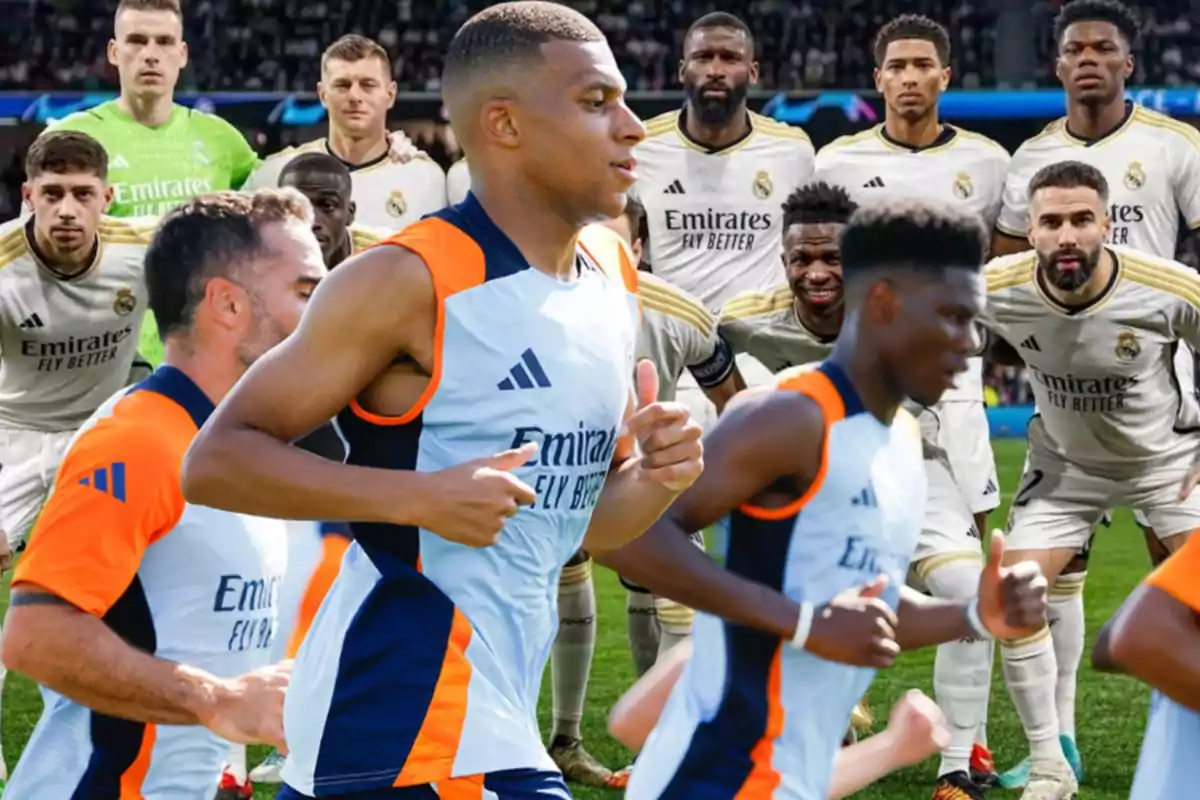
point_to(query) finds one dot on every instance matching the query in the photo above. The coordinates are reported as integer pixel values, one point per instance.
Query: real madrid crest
(762, 185)
(125, 302)
(1135, 176)
(396, 205)
(963, 189)
(1128, 347)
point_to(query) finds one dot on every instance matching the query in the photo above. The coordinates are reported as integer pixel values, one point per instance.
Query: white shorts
(964, 434)
(1059, 504)
(28, 463)
(949, 526)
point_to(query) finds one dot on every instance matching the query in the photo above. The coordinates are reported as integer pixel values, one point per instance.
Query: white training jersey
(765, 325)
(386, 194)
(1103, 374)
(1151, 163)
(67, 344)
(715, 217)
(962, 168)
(458, 182)
(676, 333)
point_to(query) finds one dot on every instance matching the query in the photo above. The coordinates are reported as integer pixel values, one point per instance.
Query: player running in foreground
(479, 366)
(914, 154)
(357, 90)
(760, 712)
(1154, 637)
(1108, 430)
(146, 620)
(1152, 165)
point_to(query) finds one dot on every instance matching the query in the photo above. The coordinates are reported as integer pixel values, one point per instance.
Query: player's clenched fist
(856, 628)
(916, 729)
(248, 709)
(471, 503)
(667, 436)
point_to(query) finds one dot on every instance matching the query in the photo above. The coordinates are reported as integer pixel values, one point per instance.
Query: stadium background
(255, 62)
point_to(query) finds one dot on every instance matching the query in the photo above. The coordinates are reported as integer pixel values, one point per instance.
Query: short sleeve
(242, 159)
(117, 492)
(1187, 179)
(1179, 575)
(1013, 219)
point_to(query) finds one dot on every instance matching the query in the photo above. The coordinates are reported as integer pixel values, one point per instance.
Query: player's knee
(1078, 562)
(954, 578)
(1158, 551)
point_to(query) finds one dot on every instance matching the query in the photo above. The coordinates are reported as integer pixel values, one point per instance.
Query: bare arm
(927, 621)
(722, 393)
(1156, 638)
(77, 655)
(373, 308)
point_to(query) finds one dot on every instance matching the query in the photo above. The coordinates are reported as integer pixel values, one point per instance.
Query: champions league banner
(1006, 116)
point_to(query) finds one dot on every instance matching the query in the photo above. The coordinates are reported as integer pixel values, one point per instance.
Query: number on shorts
(1028, 484)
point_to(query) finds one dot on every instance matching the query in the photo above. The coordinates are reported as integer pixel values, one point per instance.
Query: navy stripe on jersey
(116, 742)
(841, 382)
(502, 258)
(758, 550)
(173, 383)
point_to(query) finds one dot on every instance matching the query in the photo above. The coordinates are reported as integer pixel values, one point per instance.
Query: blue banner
(1009, 422)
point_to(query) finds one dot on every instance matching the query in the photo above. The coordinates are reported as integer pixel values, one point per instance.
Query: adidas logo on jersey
(33, 321)
(865, 498)
(1031, 344)
(525, 374)
(874, 183)
(991, 488)
(675, 187)
(110, 480)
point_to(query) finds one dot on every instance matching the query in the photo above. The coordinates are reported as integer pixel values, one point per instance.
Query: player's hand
(470, 504)
(6, 554)
(668, 437)
(1012, 600)
(249, 710)
(856, 628)
(401, 149)
(917, 729)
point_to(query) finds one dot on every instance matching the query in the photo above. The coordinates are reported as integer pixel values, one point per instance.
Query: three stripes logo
(33, 321)
(525, 374)
(675, 187)
(874, 183)
(866, 498)
(1031, 344)
(110, 480)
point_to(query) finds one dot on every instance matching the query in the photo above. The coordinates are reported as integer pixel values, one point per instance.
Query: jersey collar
(1074, 311)
(681, 127)
(374, 162)
(174, 384)
(44, 263)
(1130, 110)
(947, 135)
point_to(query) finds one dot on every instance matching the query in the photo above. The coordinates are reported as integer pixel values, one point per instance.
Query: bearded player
(1152, 166)
(1108, 433)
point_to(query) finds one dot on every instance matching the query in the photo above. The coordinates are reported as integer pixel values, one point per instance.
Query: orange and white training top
(185, 583)
(752, 716)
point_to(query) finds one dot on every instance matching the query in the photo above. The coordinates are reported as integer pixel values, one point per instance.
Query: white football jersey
(387, 195)
(458, 182)
(765, 325)
(961, 168)
(67, 344)
(1151, 163)
(1103, 375)
(715, 218)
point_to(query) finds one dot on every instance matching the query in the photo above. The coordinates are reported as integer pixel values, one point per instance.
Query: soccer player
(1154, 637)
(1107, 433)
(328, 184)
(1152, 166)
(357, 90)
(148, 620)
(913, 154)
(823, 476)
(492, 327)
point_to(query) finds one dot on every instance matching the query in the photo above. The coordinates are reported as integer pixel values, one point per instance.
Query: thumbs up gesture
(471, 503)
(666, 434)
(1012, 600)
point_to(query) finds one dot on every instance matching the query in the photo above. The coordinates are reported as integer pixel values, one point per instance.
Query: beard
(1071, 279)
(716, 110)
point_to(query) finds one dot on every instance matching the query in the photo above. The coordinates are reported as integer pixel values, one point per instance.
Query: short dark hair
(318, 164)
(351, 48)
(720, 19)
(916, 235)
(635, 213)
(818, 203)
(509, 33)
(171, 6)
(210, 236)
(66, 151)
(913, 26)
(1120, 15)
(1069, 175)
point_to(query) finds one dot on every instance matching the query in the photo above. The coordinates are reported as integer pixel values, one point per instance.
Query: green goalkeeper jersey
(152, 170)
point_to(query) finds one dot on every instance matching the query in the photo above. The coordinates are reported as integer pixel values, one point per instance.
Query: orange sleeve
(1179, 575)
(117, 492)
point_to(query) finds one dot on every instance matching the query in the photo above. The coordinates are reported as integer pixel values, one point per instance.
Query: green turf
(1111, 713)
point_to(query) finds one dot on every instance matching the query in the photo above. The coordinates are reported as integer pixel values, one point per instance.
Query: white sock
(961, 668)
(1030, 672)
(237, 763)
(1067, 630)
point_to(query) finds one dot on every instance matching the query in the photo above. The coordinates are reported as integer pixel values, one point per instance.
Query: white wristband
(803, 626)
(974, 620)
